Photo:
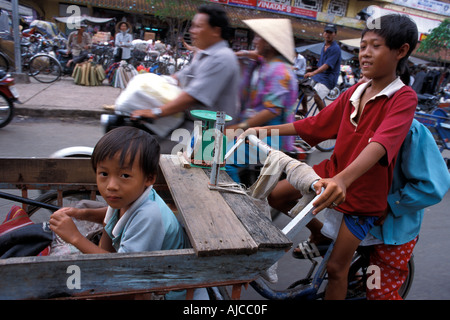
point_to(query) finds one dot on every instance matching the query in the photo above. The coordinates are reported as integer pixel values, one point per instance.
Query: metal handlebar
(253, 140)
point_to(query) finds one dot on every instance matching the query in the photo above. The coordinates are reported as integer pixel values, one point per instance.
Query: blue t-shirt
(148, 225)
(331, 57)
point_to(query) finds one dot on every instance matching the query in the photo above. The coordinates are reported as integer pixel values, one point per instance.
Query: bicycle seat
(305, 86)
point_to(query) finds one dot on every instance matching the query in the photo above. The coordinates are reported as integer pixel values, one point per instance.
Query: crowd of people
(258, 89)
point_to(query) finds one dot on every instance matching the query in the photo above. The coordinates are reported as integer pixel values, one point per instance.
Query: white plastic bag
(148, 91)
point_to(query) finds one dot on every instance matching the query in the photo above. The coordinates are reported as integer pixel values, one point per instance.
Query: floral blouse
(269, 85)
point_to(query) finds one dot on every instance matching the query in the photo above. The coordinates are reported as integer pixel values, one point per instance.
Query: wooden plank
(46, 170)
(105, 274)
(260, 227)
(212, 226)
(43, 172)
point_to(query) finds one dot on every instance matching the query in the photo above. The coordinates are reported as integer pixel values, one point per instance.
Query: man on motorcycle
(211, 81)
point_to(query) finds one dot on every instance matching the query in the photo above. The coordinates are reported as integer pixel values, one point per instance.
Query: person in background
(123, 39)
(78, 44)
(269, 87)
(329, 66)
(300, 66)
(211, 80)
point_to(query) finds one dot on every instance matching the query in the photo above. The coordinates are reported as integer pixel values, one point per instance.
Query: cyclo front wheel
(44, 68)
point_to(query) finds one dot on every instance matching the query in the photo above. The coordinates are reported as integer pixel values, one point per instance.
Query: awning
(417, 61)
(78, 19)
(354, 43)
(49, 29)
(316, 49)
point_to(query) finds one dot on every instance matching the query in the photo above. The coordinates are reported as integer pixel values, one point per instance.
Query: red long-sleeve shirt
(385, 119)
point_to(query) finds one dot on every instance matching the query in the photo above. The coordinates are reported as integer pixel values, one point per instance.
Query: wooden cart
(232, 242)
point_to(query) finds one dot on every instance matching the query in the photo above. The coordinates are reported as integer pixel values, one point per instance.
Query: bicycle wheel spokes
(44, 68)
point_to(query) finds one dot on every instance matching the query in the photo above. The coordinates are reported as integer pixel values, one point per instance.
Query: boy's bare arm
(286, 129)
(63, 226)
(336, 187)
(89, 214)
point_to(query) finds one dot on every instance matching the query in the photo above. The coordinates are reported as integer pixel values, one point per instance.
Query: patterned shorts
(393, 263)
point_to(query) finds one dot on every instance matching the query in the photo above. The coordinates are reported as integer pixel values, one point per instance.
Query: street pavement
(63, 98)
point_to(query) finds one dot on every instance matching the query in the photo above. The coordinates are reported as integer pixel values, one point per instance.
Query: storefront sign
(286, 6)
(437, 7)
(244, 3)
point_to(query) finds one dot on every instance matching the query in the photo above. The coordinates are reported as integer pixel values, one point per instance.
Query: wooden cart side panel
(90, 275)
(46, 170)
(42, 171)
(214, 229)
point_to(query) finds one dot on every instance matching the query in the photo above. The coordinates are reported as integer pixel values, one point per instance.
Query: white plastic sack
(148, 91)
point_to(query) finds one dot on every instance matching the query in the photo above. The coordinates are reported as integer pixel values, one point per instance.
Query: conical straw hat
(277, 32)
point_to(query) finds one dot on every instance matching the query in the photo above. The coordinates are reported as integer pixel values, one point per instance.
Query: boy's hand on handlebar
(332, 196)
(249, 131)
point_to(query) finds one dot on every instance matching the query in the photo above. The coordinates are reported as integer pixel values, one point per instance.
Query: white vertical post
(16, 35)
(218, 145)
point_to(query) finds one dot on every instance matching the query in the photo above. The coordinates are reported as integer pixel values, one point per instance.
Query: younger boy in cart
(125, 161)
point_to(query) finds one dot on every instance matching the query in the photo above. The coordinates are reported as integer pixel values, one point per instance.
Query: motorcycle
(8, 95)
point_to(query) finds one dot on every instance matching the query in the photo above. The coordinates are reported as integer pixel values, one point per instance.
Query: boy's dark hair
(217, 18)
(396, 29)
(128, 141)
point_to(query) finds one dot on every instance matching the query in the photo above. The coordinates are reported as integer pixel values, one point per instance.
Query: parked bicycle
(42, 66)
(103, 54)
(307, 92)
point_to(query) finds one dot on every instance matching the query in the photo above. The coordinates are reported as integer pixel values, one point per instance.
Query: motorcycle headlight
(108, 119)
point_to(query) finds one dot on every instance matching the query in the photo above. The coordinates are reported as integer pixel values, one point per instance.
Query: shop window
(338, 7)
(315, 5)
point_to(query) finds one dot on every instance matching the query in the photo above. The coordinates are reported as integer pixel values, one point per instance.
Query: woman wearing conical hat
(123, 41)
(269, 87)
